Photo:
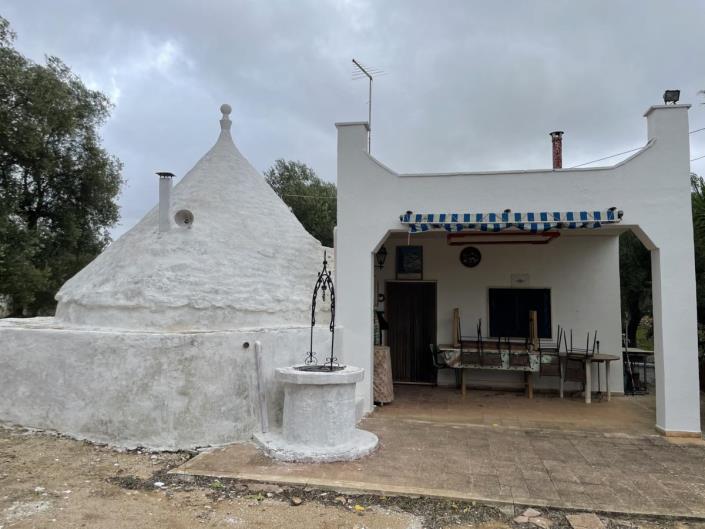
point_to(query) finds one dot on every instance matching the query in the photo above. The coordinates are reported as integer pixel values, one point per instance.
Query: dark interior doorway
(411, 313)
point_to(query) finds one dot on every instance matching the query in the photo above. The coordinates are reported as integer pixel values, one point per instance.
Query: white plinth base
(360, 444)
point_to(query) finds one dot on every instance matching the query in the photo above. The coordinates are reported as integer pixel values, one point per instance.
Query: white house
(151, 343)
(577, 270)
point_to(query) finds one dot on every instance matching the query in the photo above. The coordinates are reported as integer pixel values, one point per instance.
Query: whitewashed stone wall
(163, 391)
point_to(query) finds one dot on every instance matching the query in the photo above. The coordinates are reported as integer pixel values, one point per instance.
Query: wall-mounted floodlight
(671, 96)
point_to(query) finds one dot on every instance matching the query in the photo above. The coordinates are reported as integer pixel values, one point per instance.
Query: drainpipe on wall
(261, 397)
(164, 200)
(557, 140)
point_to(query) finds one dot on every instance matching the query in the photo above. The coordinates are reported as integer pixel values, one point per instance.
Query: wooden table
(599, 358)
(491, 347)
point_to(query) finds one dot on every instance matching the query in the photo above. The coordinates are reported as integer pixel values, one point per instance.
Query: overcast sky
(468, 85)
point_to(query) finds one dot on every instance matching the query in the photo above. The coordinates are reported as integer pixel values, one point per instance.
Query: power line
(693, 132)
(308, 196)
(632, 150)
(606, 157)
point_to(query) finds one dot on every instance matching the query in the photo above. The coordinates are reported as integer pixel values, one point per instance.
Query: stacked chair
(440, 363)
(569, 362)
(469, 356)
(519, 358)
(488, 357)
(550, 357)
(575, 357)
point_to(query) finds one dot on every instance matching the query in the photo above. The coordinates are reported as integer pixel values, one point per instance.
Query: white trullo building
(152, 343)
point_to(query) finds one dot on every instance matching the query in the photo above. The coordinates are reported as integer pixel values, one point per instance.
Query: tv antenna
(360, 73)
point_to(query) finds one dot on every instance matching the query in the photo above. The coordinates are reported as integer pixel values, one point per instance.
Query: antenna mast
(367, 72)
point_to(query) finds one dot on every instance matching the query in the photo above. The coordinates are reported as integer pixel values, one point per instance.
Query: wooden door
(411, 314)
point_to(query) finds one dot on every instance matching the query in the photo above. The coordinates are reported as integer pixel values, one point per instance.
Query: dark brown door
(411, 313)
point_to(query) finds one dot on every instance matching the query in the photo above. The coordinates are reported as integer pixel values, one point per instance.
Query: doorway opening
(411, 317)
(637, 314)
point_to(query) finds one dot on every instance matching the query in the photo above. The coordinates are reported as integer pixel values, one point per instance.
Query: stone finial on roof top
(225, 120)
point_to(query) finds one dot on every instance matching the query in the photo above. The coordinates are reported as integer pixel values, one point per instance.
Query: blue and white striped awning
(534, 222)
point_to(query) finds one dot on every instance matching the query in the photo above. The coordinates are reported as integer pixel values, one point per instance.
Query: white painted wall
(652, 187)
(163, 391)
(581, 271)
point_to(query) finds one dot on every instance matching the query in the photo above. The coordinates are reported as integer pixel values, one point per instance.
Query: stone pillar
(675, 341)
(668, 224)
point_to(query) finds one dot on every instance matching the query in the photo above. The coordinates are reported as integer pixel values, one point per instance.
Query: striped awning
(535, 222)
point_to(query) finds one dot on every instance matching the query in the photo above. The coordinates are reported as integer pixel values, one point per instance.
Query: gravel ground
(51, 481)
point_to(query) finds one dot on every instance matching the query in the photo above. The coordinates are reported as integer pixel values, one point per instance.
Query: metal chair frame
(552, 351)
(443, 365)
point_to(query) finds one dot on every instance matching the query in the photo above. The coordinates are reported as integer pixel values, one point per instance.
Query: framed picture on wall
(409, 262)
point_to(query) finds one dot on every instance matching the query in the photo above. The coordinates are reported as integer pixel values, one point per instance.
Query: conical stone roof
(245, 261)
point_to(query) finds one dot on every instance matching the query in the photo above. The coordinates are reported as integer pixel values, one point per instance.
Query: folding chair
(440, 363)
(550, 356)
(487, 358)
(518, 358)
(469, 356)
(575, 359)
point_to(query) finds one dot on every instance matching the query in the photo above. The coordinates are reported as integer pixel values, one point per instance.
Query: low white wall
(162, 391)
(582, 272)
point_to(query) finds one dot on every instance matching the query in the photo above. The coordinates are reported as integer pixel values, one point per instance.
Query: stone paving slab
(636, 474)
(585, 521)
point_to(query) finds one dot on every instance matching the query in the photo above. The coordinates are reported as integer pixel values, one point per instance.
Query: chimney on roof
(557, 140)
(164, 199)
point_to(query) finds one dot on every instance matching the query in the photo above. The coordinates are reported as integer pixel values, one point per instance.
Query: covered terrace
(574, 277)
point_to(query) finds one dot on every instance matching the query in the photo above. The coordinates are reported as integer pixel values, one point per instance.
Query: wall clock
(470, 257)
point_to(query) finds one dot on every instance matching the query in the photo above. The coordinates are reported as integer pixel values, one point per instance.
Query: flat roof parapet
(352, 124)
(657, 107)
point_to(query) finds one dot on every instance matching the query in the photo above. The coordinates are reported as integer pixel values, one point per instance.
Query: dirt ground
(51, 481)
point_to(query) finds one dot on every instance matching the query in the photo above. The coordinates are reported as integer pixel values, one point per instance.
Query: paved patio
(502, 447)
(633, 415)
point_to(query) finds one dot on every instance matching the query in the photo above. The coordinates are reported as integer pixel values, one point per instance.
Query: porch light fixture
(671, 96)
(381, 257)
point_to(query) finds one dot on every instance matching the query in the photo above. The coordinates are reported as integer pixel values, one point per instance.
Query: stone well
(319, 417)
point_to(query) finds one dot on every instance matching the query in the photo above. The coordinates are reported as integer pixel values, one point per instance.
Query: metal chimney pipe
(557, 140)
(164, 200)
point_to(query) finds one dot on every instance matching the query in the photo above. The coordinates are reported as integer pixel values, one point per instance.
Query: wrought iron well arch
(323, 283)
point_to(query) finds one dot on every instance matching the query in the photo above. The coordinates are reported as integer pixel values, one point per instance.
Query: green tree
(312, 200)
(57, 184)
(635, 282)
(698, 205)
(635, 266)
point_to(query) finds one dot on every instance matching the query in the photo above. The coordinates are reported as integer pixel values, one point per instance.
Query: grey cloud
(470, 85)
